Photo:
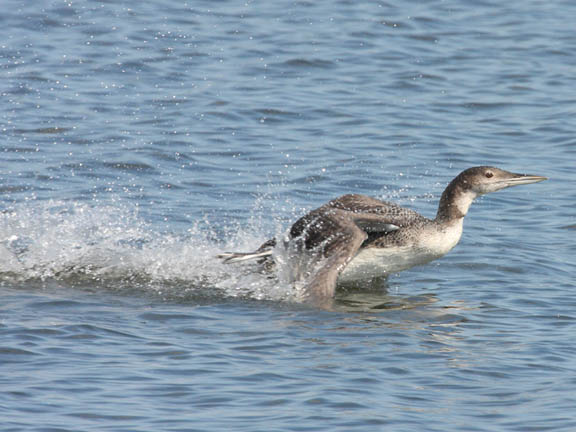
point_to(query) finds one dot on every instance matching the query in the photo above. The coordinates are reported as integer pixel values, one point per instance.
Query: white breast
(377, 262)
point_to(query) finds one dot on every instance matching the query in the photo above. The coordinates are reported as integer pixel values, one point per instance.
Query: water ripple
(139, 142)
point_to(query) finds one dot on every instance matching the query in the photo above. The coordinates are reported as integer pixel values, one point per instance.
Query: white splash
(113, 246)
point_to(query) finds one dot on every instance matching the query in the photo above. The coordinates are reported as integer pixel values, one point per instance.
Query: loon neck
(455, 202)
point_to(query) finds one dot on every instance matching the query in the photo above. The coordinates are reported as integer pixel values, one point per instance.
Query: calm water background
(138, 139)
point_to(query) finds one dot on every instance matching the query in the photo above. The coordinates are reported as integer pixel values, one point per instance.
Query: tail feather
(263, 251)
(232, 257)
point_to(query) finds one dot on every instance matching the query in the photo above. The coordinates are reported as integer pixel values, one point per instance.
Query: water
(138, 140)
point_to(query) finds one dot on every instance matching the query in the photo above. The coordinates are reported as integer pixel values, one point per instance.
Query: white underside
(371, 263)
(374, 262)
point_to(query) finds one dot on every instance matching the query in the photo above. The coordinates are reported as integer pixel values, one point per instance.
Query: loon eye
(489, 174)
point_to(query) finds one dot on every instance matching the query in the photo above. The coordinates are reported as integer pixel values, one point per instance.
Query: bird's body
(356, 237)
(389, 254)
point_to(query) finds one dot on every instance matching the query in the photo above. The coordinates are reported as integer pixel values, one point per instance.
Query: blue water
(140, 139)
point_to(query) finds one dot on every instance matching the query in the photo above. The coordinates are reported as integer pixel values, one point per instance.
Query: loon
(356, 237)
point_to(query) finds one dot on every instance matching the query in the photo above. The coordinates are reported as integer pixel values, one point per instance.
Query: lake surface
(140, 139)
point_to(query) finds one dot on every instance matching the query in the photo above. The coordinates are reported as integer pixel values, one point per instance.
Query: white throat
(465, 200)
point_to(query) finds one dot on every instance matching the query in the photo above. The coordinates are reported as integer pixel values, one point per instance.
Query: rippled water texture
(140, 139)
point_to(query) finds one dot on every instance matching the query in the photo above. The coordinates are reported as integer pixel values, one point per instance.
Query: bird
(356, 237)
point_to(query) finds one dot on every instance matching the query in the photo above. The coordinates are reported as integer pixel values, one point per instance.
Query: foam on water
(112, 245)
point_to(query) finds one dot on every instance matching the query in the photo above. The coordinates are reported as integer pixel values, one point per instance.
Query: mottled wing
(390, 212)
(338, 235)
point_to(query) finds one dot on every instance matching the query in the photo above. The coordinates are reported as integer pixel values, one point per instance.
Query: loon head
(473, 182)
(484, 179)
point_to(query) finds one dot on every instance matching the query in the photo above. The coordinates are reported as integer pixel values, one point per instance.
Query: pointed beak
(521, 179)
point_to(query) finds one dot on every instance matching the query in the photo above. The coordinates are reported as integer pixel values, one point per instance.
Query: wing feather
(337, 236)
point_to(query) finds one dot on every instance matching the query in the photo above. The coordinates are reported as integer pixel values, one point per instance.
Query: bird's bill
(521, 179)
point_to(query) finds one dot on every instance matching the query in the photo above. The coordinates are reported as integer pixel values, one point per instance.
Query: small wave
(309, 63)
